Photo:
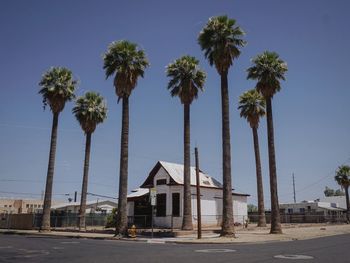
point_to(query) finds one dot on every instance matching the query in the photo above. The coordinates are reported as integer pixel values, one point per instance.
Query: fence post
(172, 223)
(8, 221)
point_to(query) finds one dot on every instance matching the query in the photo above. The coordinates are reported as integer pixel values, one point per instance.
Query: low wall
(17, 221)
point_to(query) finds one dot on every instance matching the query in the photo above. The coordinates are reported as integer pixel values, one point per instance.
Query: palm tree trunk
(122, 217)
(260, 188)
(187, 211)
(85, 182)
(45, 224)
(347, 204)
(227, 228)
(275, 214)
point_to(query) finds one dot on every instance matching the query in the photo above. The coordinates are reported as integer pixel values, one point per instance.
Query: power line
(18, 193)
(59, 182)
(105, 196)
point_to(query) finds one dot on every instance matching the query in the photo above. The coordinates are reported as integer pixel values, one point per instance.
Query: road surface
(14, 248)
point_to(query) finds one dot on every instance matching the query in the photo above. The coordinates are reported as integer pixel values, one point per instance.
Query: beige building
(21, 206)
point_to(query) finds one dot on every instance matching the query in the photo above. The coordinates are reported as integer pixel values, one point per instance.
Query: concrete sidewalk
(250, 235)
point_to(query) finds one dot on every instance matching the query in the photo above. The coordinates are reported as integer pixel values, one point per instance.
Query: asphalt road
(52, 249)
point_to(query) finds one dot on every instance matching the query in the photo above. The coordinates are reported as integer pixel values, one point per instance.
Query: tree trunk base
(262, 225)
(277, 231)
(228, 235)
(45, 230)
(187, 228)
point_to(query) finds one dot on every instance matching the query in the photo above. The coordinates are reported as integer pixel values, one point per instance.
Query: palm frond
(252, 107)
(90, 110)
(57, 86)
(342, 176)
(124, 60)
(221, 41)
(268, 69)
(186, 78)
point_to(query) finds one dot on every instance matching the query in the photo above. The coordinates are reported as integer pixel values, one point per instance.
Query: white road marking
(215, 250)
(70, 242)
(6, 247)
(293, 257)
(155, 241)
(32, 253)
(57, 247)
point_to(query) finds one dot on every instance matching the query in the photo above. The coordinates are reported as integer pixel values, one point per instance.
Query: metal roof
(176, 171)
(138, 192)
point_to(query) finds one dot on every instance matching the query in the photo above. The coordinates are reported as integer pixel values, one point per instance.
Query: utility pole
(199, 214)
(75, 196)
(294, 188)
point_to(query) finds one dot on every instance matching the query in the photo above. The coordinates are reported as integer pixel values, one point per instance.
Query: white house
(167, 179)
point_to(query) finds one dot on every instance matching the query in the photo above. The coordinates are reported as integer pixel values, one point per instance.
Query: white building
(167, 179)
(96, 206)
(311, 207)
(338, 201)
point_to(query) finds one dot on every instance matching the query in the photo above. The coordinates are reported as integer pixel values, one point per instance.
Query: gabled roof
(176, 172)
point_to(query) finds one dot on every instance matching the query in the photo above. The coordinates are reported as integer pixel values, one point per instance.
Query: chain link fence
(101, 221)
(57, 221)
(301, 218)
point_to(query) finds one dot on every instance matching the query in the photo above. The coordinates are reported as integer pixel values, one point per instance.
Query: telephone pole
(294, 188)
(199, 215)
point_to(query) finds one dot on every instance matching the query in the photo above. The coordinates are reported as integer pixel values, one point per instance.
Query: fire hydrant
(246, 223)
(132, 231)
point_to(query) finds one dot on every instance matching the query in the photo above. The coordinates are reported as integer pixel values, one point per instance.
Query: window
(5, 205)
(31, 206)
(290, 210)
(27, 205)
(308, 208)
(161, 204)
(302, 210)
(161, 181)
(35, 206)
(176, 204)
(10, 205)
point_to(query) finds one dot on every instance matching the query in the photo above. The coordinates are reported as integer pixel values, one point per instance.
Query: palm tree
(343, 179)
(252, 106)
(89, 110)
(186, 80)
(268, 69)
(221, 41)
(127, 63)
(57, 86)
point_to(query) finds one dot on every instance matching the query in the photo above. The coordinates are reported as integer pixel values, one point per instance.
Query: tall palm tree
(89, 110)
(343, 179)
(127, 63)
(268, 69)
(57, 86)
(221, 40)
(186, 80)
(252, 106)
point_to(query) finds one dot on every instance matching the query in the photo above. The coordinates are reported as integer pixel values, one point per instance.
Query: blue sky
(311, 113)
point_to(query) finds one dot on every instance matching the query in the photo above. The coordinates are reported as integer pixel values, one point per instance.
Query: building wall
(309, 207)
(298, 207)
(20, 206)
